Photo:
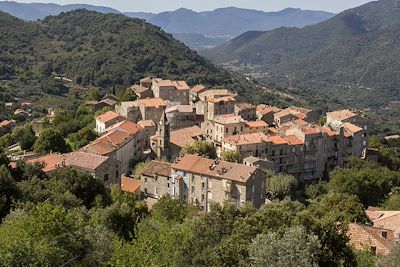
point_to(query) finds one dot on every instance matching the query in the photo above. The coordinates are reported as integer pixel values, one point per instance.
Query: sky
(157, 6)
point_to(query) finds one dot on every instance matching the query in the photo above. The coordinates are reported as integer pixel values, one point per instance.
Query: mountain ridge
(340, 57)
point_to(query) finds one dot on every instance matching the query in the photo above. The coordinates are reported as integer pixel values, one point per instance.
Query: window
(145, 180)
(105, 177)
(202, 197)
(145, 191)
(203, 185)
(273, 152)
(281, 151)
(384, 234)
(226, 130)
(117, 174)
(168, 185)
(373, 250)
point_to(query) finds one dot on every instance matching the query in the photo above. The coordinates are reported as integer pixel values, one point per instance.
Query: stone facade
(206, 181)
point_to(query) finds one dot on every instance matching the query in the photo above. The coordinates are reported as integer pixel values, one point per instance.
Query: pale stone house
(205, 181)
(181, 116)
(104, 168)
(106, 120)
(142, 92)
(173, 91)
(246, 110)
(156, 180)
(123, 142)
(142, 109)
(266, 113)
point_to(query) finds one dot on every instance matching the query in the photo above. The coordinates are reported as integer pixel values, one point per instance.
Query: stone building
(106, 120)
(105, 169)
(149, 130)
(183, 137)
(227, 125)
(142, 92)
(122, 141)
(206, 181)
(160, 143)
(256, 127)
(181, 116)
(378, 241)
(219, 106)
(266, 113)
(246, 110)
(156, 180)
(173, 91)
(142, 109)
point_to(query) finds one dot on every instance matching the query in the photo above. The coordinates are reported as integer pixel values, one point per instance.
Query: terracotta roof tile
(341, 115)
(198, 89)
(158, 168)
(293, 140)
(129, 185)
(222, 170)
(127, 126)
(186, 136)
(108, 116)
(255, 124)
(152, 102)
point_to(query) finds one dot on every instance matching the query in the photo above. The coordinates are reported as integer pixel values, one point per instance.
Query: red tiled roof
(76, 159)
(255, 124)
(181, 85)
(158, 168)
(341, 114)
(146, 123)
(51, 162)
(293, 140)
(129, 185)
(109, 142)
(186, 136)
(126, 125)
(198, 89)
(222, 170)
(108, 116)
(152, 102)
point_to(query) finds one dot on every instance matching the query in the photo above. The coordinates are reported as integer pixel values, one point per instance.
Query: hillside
(35, 11)
(352, 59)
(101, 51)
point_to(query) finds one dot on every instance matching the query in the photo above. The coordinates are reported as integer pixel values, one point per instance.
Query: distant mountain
(199, 41)
(35, 11)
(352, 59)
(140, 15)
(231, 21)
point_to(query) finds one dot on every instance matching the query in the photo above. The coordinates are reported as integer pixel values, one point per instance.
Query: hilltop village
(169, 116)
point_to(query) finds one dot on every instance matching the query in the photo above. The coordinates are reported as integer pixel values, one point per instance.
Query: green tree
(230, 156)
(83, 185)
(122, 216)
(317, 189)
(295, 247)
(8, 191)
(50, 140)
(47, 235)
(280, 185)
(392, 202)
(201, 148)
(139, 168)
(364, 258)
(28, 138)
(370, 183)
